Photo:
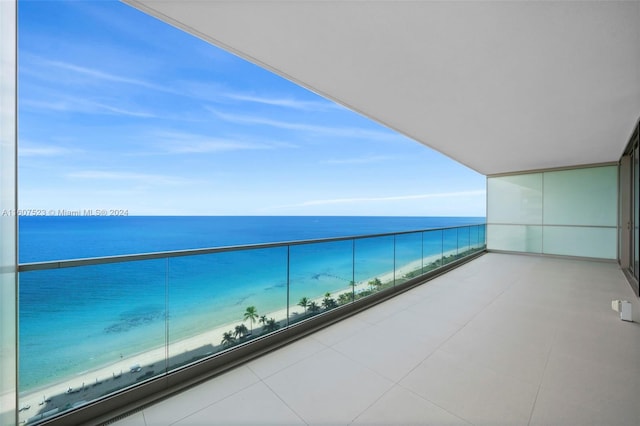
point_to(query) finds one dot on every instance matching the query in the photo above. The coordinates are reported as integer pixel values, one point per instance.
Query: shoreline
(35, 397)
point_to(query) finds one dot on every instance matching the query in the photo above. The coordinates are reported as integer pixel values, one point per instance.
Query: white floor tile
(402, 407)
(194, 399)
(337, 332)
(285, 357)
(584, 382)
(328, 388)
(472, 392)
(383, 311)
(135, 419)
(255, 405)
(553, 408)
(393, 356)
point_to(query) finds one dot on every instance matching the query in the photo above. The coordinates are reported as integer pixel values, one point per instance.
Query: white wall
(565, 212)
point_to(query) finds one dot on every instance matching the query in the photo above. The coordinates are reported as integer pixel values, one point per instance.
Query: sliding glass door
(635, 184)
(630, 210)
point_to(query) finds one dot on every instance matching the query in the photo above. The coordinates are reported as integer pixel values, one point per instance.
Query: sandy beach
(34, 399)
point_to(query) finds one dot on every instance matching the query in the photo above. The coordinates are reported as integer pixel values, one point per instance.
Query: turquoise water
(76, 319)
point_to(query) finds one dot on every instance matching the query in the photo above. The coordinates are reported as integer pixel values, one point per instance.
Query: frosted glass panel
(521, 238)
(546, 201)
(580, 241)
(581, 197)
(515, 199)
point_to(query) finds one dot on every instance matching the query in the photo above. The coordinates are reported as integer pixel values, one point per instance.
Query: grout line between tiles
(371, 405)
(219, 400)
(544, 372)
(248, 365)
(435, 403)
(456, 332)
(283, 401)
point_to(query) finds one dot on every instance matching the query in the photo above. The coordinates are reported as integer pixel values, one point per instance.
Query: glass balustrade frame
(318, 282)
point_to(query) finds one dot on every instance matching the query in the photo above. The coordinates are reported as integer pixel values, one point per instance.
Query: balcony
(504, 339)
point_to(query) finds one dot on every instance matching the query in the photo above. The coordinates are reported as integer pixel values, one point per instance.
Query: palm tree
(228, 339)
(328, 302)
(345, 298)
(240, 331)
(263, 319)
(270, 325)
(251, 314)
(304, 303)
(313, 307)
(375, 283)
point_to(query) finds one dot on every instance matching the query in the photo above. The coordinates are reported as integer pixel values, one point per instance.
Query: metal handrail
(70, 263)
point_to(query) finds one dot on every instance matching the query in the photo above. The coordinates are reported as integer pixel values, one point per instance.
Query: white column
(8, 217)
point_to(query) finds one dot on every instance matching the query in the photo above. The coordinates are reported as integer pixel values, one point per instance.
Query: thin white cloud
(41, 68)
(129, 176)
(351, 132)
(57, 105)
(284, 102)
(83, 106)
(190, 143)
(41, 151)
(105, 76)
(359, 200)
(123, 111)
(362, 160)
(214, 145)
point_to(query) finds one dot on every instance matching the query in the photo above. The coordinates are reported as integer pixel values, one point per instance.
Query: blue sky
(118, 110)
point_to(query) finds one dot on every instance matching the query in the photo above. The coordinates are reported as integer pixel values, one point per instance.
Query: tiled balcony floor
(504, 339)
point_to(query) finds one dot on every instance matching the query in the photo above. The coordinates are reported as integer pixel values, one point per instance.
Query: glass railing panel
(433, 249)
(409, 255)
(105, 327)
(320, 277)
(89, 331)
(474, 237)
(483, 235)
(478, 243)
(449, 245)
(464, 241)
(219, 300)
(374, 265)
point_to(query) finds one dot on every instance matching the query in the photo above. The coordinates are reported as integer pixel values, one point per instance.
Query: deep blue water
(55, 238)
(85, 317)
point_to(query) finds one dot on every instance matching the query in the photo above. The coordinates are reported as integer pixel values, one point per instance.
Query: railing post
(394, 260)
(441, 247)
(166, 316)
(422, 252)
(288, 281)
(353, 270)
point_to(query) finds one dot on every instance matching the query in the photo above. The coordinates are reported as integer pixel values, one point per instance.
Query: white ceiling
(498, 86)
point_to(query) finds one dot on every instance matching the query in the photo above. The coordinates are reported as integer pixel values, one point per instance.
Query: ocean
(74, 320)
